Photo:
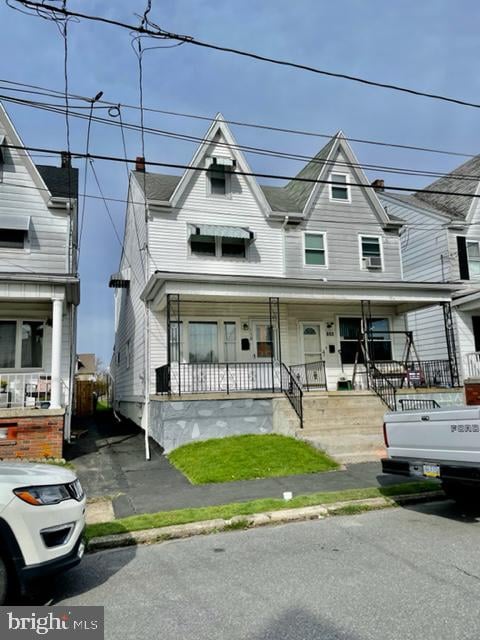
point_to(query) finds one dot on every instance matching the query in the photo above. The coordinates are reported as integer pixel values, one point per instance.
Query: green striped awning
(220, 231)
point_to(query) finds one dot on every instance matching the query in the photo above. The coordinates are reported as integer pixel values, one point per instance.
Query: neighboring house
(442, 244)
(39, 292)
(226, 285)
(86, 367)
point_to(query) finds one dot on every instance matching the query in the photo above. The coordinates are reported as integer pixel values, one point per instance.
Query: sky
(432, 45)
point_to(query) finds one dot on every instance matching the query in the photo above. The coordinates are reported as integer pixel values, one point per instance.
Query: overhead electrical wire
(149, 28)
(240, 123)
(273, 153)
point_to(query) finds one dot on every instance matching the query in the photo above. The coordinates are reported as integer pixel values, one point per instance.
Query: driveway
(110, 461)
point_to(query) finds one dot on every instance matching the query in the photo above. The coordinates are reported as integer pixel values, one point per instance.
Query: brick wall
(34, 437)
(472, 392)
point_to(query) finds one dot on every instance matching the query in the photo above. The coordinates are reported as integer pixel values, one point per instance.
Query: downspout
(147, 330)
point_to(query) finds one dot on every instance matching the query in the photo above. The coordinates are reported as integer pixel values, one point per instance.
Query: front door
(263, 348)
(311, 342)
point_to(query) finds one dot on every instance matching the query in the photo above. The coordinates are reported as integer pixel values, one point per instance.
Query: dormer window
(219, 175)
(340, 190)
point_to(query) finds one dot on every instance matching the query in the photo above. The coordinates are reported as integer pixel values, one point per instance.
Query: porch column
(450, 339)
(56, 391)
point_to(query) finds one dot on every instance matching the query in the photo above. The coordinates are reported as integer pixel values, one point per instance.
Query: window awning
(19, 223)
(119, 281)
(221, 162)
(219, 231)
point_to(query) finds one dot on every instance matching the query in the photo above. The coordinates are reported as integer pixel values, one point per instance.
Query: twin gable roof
(295, 197)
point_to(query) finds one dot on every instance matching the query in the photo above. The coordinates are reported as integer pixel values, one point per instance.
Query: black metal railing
(383, 387)
(293, 391)
(226, 377)
(230, 377)
(162, 379)
(310, 375)
(412, 404)
(417, 373)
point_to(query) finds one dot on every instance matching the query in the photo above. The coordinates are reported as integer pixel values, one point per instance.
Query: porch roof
(36, 286)
(409, 294)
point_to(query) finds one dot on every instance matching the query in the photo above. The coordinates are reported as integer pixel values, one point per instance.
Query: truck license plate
(431, 470)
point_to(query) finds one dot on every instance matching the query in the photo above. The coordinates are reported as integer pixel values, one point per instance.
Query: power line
(244, 148)
(155, 31)
(254, 174)
(240, 123)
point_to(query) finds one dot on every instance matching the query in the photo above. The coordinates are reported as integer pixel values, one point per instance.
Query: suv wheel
(3, 581)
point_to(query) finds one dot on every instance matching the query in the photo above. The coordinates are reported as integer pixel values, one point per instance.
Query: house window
(230, 341)
(176, 342)
(203, 245)
(8, 331)
(218, 180)
(315, 249)
(264, 341)
(203, 342)
(380, 344)
(473, 257)
(21, 344)
(12, 238)
(32, 344)
(340, 190)
(233, 248)
(371, 252)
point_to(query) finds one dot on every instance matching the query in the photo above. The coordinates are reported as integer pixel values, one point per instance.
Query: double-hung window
(339, 187)
(14, 231)
(21, 344)
(473, 257)
(371, 252)
(315, 249)
(378, 339)
(219, 175)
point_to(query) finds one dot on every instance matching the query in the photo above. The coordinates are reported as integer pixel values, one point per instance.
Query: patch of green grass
(226, 511)
(247, 457)
(102, 405)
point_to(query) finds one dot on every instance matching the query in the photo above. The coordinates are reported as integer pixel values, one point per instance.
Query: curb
(281, 516)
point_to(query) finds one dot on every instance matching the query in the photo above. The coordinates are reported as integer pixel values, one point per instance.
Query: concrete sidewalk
(110, 461)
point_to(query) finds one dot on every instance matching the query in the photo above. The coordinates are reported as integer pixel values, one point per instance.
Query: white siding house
(441, 243)
(39, 291)
(229, 286)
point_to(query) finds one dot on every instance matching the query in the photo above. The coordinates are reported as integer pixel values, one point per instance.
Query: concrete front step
(350, 450)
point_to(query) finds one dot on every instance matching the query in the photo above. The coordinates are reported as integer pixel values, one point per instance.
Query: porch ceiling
(199, 287)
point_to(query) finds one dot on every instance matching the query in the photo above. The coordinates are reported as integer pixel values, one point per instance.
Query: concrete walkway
(110, 461)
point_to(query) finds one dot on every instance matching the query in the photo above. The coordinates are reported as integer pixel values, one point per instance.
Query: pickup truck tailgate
(449, 434)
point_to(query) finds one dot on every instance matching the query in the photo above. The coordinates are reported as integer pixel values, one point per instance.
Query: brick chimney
(66, 160)
(378, 185)
(140, 163)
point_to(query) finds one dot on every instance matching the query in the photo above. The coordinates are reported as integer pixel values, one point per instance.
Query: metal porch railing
(24, 390)
(310, 375)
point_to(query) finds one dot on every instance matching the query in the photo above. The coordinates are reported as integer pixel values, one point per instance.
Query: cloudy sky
(432, 45)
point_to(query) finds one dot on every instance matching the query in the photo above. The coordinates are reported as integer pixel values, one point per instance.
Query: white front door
(311, 342)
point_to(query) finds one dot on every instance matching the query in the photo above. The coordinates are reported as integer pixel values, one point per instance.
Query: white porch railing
(25, 390)
(472, 365)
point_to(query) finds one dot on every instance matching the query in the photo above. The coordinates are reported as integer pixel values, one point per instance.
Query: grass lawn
(226, 511)
(247, 457)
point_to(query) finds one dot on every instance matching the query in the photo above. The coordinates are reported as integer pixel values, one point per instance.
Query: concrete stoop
(347, 425)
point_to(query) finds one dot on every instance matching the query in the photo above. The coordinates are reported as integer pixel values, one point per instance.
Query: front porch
(36, 320)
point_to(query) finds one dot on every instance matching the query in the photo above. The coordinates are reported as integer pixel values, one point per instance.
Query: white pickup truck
(438, 443)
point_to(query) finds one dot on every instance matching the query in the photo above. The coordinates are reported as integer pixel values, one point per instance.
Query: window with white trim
(21, 344)
(315, 249)
(371, 252)
(12, 238)
(218, 247)
(341, 189)
(473, 258)
(219, 175)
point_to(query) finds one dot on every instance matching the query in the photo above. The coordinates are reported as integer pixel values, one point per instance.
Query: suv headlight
(47, 494)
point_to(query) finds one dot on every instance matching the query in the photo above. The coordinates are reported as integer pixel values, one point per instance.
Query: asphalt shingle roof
(454, 182)
(58, 181)
(288, 199)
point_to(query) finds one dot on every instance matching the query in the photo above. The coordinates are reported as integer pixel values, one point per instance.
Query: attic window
(218, 174)
(14, 231)
(337, 190)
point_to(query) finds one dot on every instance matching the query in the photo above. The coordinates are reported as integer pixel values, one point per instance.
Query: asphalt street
(399, 573)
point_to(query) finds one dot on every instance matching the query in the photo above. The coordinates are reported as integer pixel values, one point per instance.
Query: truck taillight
(385, 437)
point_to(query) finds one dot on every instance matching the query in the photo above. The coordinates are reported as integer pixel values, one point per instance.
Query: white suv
(42, 519)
